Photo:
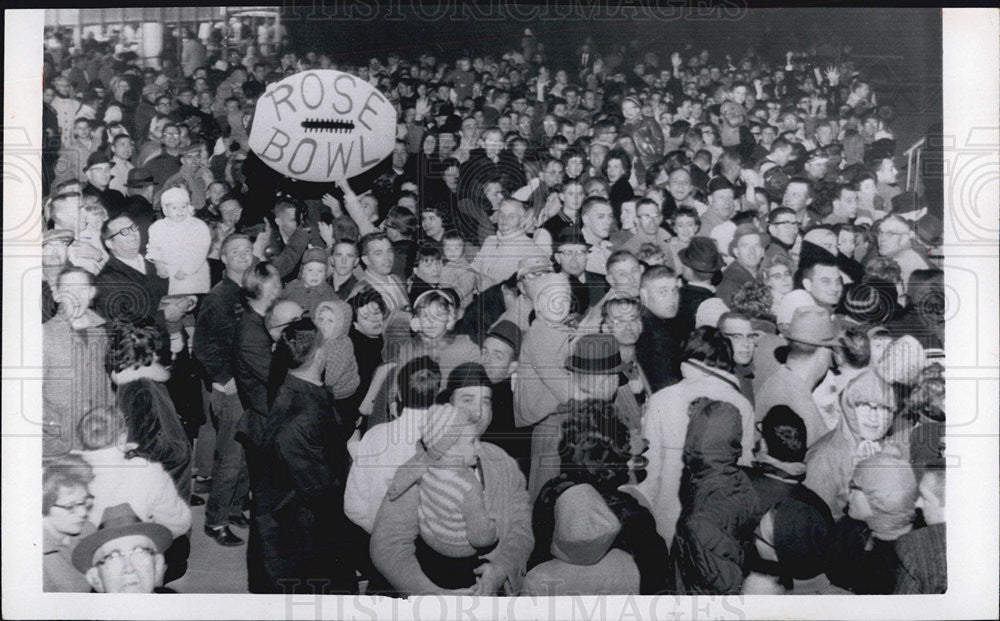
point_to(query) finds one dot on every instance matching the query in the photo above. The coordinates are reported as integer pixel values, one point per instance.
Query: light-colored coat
(665, 427)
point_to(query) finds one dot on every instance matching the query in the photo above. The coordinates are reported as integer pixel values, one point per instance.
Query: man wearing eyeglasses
(783, 228)
(571, 251)
(741, 334)
(125, 555)
(895, 237)
(128, 287)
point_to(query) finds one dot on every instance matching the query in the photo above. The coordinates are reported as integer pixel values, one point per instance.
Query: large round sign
(322, 125)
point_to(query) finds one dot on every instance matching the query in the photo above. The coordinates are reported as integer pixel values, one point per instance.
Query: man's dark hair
(298, 341)
(288, 202)
(419, 381)
(777, 212)
(402, 220)
(369, 239)
(708, 346)
(810, 269)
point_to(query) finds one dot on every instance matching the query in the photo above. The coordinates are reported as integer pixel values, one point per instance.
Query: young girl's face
(453, 249)
(685, 228)
(429, 270)
(434, 321)
(177, 212)
(313, 273)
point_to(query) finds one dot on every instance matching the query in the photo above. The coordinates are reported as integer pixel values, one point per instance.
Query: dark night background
(899, 49)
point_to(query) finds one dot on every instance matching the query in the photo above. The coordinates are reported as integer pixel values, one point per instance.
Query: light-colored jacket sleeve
(166, 505)
(193, 254)
(357, 493)
(661, 487)
(393, 545)
(507, 495)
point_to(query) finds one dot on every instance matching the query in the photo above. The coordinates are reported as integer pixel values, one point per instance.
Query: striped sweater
(452, 512)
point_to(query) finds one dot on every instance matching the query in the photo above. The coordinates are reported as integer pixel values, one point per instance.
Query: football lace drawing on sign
(322, 125)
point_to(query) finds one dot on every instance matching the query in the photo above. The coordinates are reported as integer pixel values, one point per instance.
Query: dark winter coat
(719, 515)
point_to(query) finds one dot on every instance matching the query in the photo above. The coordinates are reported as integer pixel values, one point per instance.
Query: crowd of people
(625, 322)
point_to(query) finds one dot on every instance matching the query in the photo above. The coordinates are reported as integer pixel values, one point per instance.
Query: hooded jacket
(831, 460)
(584, 563)
(664, 426)
(341, 372)
(637, 538)
(715, 530)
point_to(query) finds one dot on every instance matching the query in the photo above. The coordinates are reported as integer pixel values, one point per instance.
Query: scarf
(789, 471)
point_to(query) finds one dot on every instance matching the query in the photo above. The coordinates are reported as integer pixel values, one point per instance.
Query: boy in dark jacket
(298, 511)
(715, 529)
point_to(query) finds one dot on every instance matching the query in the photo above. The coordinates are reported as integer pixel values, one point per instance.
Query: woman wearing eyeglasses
(66, 506)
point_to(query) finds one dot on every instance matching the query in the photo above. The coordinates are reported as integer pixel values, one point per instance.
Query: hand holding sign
(322, 125)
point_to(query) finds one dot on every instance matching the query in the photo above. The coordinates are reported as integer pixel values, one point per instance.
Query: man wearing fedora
(125, 554)
(597, 371)
(699, 263)
(138, 203)
(98, 173)
(811, 336)
(747, 248)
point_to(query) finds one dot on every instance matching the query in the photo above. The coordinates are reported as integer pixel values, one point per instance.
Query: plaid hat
(785, 434)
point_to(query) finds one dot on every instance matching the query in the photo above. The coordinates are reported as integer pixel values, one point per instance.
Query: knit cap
(314, 255)
(585, 526)
(441, 430)
(902, 361)
(785, 434)
(888, 482)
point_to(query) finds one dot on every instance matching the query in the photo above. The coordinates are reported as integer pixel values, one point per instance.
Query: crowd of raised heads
(618, 322)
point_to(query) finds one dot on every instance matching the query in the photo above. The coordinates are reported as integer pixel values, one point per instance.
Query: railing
(914, 157)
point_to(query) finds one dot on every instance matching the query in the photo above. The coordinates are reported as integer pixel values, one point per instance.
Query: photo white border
(971, 124)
